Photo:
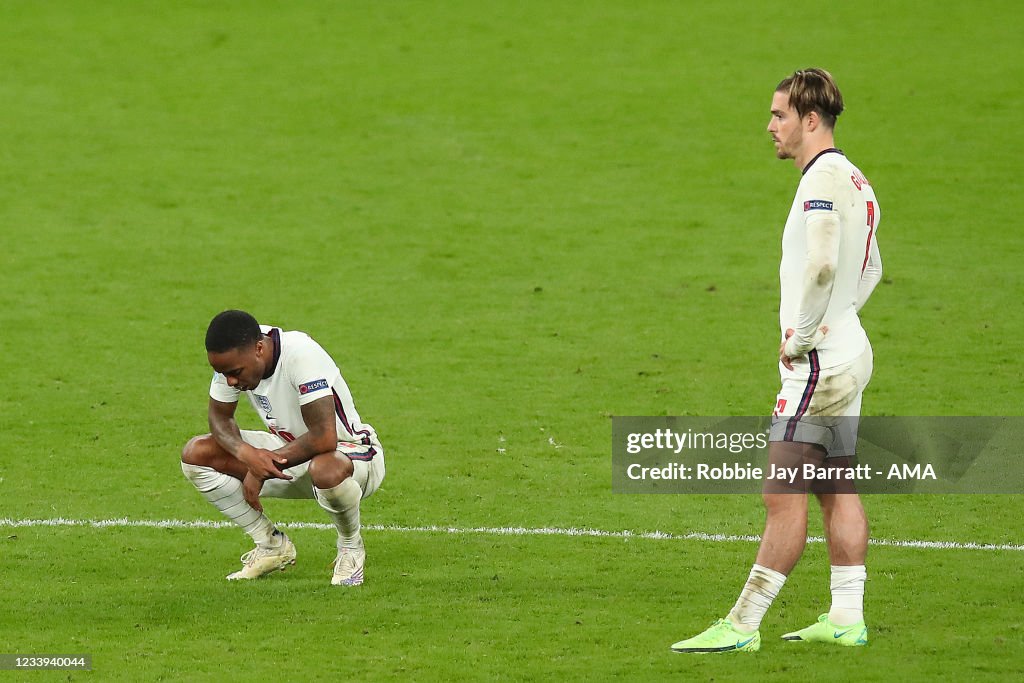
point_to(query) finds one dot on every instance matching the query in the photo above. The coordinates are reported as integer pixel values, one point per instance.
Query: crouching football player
(316, 445)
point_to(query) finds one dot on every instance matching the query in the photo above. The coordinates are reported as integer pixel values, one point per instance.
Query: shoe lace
(256, 553)
(345, 561)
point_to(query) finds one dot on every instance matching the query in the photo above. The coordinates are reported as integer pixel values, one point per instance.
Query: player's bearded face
(785, 127)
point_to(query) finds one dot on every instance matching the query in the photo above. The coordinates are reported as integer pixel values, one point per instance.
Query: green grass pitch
(507, 222)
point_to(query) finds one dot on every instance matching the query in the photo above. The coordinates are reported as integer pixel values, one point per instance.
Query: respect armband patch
(817, 205)
(315, 385)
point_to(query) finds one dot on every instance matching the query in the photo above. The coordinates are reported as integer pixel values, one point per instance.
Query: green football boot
(824, 631)
(722, 636)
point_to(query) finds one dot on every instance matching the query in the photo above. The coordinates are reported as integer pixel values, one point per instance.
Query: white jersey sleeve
(311, 370)
(221, 391)
(871, 275)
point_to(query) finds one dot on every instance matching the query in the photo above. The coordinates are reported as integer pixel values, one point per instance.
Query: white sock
(342, 504)
(847, 594)
(757, 595)
(225, 493)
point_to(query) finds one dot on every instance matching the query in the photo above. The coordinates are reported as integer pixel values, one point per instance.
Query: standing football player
(316, 445)
(830, 266)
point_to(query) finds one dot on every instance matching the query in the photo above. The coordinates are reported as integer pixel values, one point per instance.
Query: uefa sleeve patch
(315, 385)
(817, 205)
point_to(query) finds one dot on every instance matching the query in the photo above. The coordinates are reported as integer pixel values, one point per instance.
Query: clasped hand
(263, 465)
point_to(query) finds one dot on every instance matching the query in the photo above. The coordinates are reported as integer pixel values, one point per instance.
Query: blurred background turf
(506, 221)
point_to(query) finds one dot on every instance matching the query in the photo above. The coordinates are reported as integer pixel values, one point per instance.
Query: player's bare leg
(784, 537)
(339, 495)
(782, 544)
(785, 528)
(204, 451)
(785, 531)
(218, 478)
(846, 527)
(846, 531)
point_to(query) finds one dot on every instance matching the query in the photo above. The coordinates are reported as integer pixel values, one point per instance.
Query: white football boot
(262, 560)
(348, 567)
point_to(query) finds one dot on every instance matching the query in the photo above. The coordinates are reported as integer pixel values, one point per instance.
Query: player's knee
(784, 504)
(196, 449)
(327, 470)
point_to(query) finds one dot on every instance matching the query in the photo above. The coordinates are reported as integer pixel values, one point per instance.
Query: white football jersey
(830, 183)
(301, 372)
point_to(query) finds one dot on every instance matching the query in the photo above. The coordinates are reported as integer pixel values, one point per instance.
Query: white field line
(124, 522)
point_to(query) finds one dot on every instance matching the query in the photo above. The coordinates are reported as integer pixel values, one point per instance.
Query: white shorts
(367, 467)
(823, 406)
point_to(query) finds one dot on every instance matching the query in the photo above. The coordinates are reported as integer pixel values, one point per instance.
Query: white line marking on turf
(124, 522)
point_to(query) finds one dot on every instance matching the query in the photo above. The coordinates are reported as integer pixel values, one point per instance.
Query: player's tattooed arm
(322, 437)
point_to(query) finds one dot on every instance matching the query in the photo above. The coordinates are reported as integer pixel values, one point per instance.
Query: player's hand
(787, 361)
(251, 487)
(263, 464)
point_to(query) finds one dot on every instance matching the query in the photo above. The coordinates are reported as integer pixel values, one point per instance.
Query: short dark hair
(813, 90)
(232, 330)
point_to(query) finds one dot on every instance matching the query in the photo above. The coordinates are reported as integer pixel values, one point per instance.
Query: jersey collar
(817, 156)
(275, 336)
